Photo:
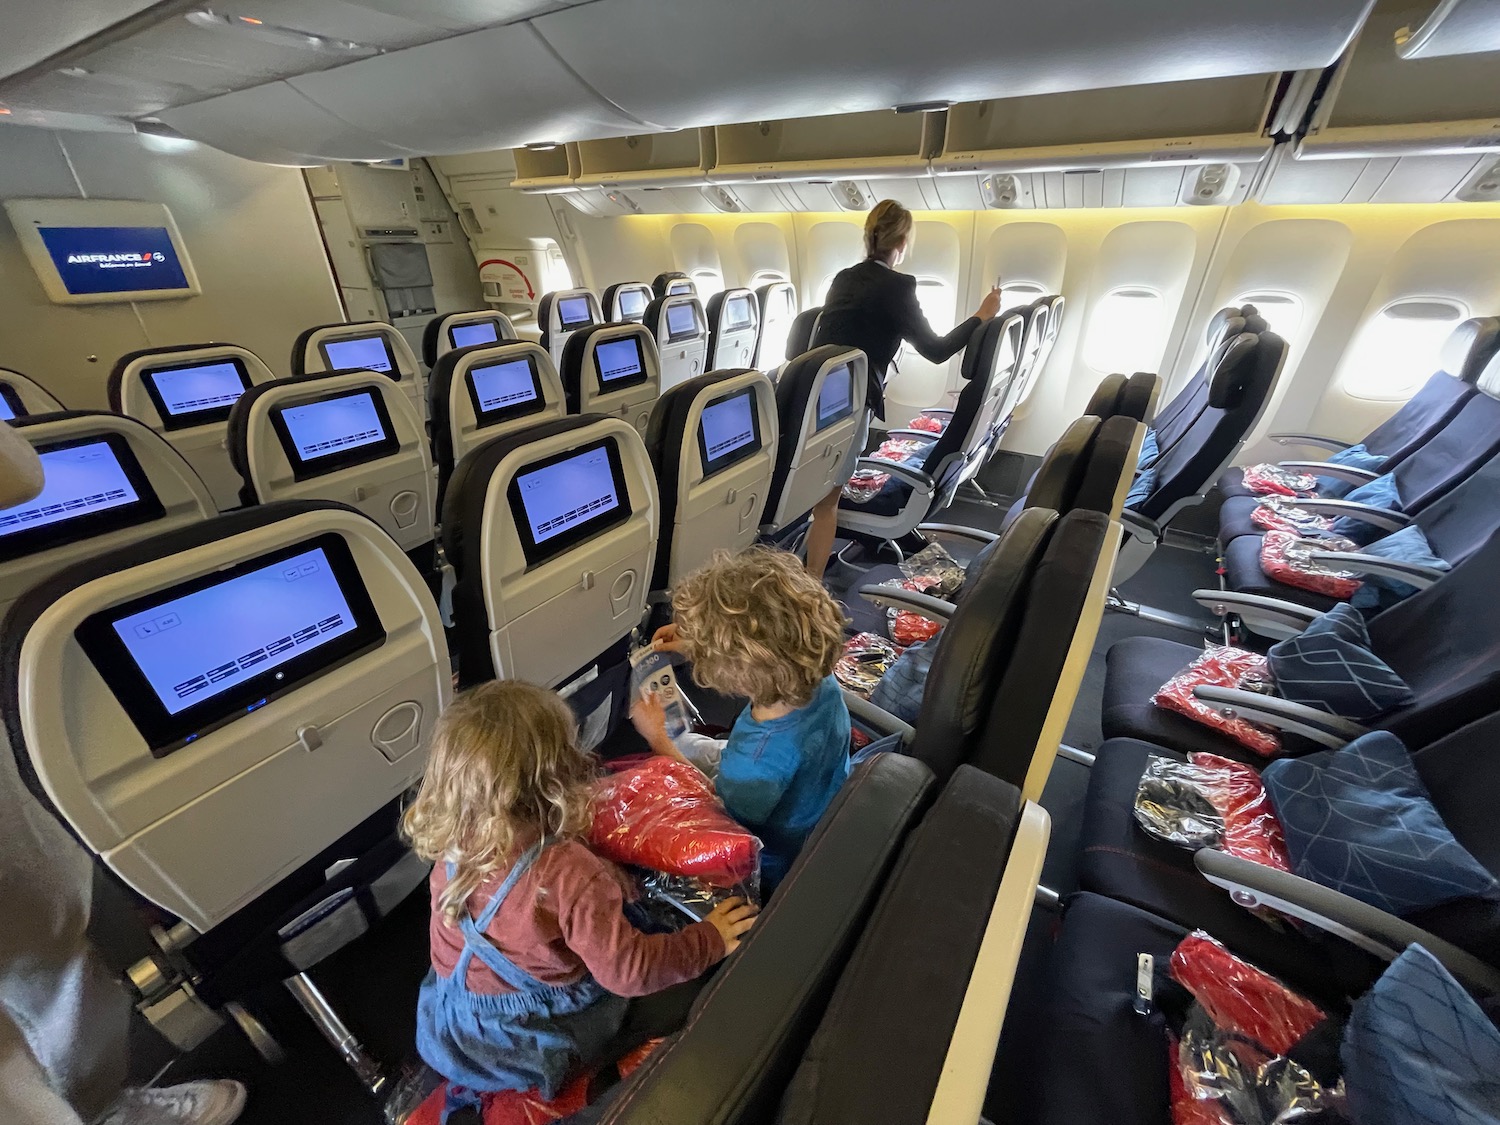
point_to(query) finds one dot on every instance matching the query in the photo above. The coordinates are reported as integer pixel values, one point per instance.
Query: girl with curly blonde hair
(756, 625)
(532, 955)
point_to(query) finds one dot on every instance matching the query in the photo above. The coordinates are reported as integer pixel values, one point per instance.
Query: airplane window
(938, 302)
(1014, 294)
(1282, 311)
(708, 282)
(1127, 331)
(555, 273)
(1398, 348)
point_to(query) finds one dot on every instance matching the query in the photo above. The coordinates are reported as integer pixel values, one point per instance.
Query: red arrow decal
(530, 292)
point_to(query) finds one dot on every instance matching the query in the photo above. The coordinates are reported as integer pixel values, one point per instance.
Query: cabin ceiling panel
(36, 32)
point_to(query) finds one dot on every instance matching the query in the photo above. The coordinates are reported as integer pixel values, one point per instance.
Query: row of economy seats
(1373, 721)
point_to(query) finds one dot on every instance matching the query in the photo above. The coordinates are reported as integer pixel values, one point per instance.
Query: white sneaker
(192, 1103)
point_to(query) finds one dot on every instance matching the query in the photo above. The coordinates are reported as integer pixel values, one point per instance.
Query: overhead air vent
(722, 199)
(251, 26)
(1002, 191)
(1483, 186)
(1213, 185)
(849, 197)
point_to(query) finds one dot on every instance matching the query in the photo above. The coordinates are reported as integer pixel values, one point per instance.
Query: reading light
(210, 20)
(542, 146)
(4, 111)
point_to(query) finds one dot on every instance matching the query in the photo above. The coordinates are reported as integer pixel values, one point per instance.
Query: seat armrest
(1323, 469)
(924, 435)
(1419, 576)
(862, 711)
(957, 531)
(1257, 608)
(938, 412)
(1384, 935)
(893, 597)
(1376, 517)
(1317, 441)
(914, 477)
(1294, 718)
(1137, 526)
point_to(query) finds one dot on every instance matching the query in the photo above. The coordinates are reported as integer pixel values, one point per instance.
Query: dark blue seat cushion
(1420, 417)
(1234, 517)
(1329, 666)
(1418, 1048)
(1243, 573)
(1232, 482)
(1360, 820)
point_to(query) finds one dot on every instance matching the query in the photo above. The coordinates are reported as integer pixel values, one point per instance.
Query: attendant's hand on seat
(732, 918)
(668, 639)
(990, 305)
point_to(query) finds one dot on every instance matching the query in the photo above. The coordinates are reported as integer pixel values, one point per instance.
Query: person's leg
(26, 1097)
(822, 532)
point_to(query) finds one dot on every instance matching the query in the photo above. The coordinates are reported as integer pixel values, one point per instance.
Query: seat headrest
(1138, 399)
(1468, 349)
(1225, 322)
(1231, 364)
(1488, 379)
(799, 339)
(1062, 471)
(1110, 465)
(663, 281)
(984, 348)
(1105, 401)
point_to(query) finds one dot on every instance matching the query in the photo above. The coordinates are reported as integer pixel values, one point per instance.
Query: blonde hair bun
(887, 228)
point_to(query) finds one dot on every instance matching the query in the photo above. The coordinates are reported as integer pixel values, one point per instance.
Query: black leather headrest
(116, 383)
(799, 338)
(1056, 483)
(430, 338)
(1229, 367)
(1109, 461)
(1138, 399)
(1468, 348)
(1105, 401)
(980, 352)
(1223, 323)
(977, 643)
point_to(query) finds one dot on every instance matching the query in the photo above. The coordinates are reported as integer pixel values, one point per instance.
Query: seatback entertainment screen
(564, 499)
(633, 303)
(361, 353)
(336, 432)
(574, 312)
(504, 390)
(197, 393)
(682, 321)
(836, 396)
(729, 431)
(620, 364)
(474, 332)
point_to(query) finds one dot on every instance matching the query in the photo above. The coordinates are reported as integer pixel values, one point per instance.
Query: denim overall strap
(477, 945)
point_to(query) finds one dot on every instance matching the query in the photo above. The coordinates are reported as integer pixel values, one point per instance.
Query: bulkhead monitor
(337, 432)
(470, 332)
(93, 485)
(737, 314)
(501, 391)
(360, 353)
(564, 499)
(729, 431)
(682, 321)
(11, 406)
(633, 302)
(621, 364)
(573, 313)
(200, 654)
(835, 397)
(196, 393)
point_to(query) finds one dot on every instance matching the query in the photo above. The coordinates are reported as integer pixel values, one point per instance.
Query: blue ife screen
(728, 426)
(114, 259)
(7, 411)
(478, 332)
(836, 396)
(618, 360)
(498, 386)
(574, 312)
(568, 493)
(364, 353)
(333, 425)
(81, 480)
(195, 390)
(198, 646)
(682, 320)
(633, 303)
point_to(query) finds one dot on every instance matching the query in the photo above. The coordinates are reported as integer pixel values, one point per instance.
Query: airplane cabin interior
(360, 361)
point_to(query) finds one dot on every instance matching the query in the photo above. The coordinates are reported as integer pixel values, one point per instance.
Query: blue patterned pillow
(1149, 451)
(1356, 457)
(1145, 484)
(1360, 820)
(1418, 1048)
(1329, 666)
(900, 690)
(1407, 545)
(1378, 493)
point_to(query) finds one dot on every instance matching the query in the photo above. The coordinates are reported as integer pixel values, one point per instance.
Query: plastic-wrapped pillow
(1409, 545)
(1355, 457)
(1418, 1048)
(1359, 820)
(1379, 493)
(1329, 666)
(900, 690)
(1145, 484)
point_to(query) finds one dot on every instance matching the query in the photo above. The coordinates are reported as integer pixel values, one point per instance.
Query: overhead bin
(1219, 120)
(548, 169)
(1452, 27)
(849, 146)
(663, 160)
(1380, 104)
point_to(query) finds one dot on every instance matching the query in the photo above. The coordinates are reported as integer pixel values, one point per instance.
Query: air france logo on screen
(114, 259)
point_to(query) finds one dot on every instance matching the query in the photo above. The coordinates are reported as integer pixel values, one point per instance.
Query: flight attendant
(872, 307)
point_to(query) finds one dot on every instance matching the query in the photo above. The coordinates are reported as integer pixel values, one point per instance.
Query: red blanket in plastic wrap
(527, 1107)
(1239, 997)
(1273, 480)
(866, 484)
(923, 422)
(1272, 515)
(1168, 802)
(1284, 557)
(664, 815)
(1220, 666)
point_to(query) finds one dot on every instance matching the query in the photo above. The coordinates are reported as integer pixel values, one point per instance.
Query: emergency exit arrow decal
(530, 292)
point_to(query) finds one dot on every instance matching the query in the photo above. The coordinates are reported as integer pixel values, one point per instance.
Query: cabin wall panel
(249, 229)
